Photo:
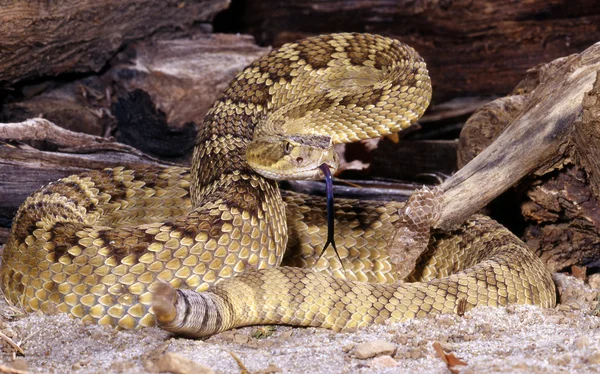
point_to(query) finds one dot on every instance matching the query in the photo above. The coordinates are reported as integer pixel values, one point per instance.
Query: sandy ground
(517, 339)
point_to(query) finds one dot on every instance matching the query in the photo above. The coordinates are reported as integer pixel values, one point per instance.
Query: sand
(517, 339)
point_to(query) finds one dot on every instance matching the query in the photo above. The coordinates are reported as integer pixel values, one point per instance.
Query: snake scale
(95, 245)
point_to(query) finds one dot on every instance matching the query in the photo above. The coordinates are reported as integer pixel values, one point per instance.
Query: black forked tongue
(330, 213)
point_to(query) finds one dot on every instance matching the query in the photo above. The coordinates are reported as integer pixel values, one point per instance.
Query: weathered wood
(585, 138)
(184, 77)
(165, 90)
(65, 110)
(563, 205)
(356, 189)
(560, 202)
(47, 38)
(471, 47)
(563, 219)
(40, 129)
(162, 89)
(534, 138)
(453, 109)
(486, 124)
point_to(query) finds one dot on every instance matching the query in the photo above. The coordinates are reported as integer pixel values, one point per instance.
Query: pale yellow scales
(91, 245)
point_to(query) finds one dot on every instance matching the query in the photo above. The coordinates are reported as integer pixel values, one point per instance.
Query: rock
(486, 328)
(287, 334)
(594, 281)
(383, 362)
(348, 347)
(561, 360)
(271, 369)
(446, 321)
(374, 348)
(582, 342)
(175, 363)
(415, 354)
(574, 293)
(19, 363)
(594, 358)
(555, 320)
(240, 338)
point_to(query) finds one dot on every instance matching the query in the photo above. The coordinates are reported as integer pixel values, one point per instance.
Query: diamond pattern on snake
(219, 245)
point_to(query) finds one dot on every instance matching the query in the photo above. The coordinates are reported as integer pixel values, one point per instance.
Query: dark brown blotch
(114, 241)
(64, 238)
(358, 49)
(72, 191)
(363, 99)
(277, 68)
(104, 182)
(317, 52)
(242, 91)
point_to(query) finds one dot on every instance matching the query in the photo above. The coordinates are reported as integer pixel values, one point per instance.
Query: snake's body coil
(91, 245)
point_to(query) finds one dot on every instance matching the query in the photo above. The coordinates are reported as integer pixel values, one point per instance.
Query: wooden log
(66, 109)
(484, 126)
(184, 77)
(559, 201)
(491, 119)
(586, 139)
(563, 219)
(38, 41)
(153, 96)
(471, 47)
(536, 137)
(563, 206)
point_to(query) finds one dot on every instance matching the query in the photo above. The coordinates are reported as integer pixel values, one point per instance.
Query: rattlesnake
(92, 245)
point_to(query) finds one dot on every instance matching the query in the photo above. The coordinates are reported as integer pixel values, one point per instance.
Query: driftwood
(184, 77)
(562, 209)
(533, 139)
(559, 201)
(47, 38)
(471, 47)
(167, 85)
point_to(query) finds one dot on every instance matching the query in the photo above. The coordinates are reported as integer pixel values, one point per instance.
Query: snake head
(288, 157)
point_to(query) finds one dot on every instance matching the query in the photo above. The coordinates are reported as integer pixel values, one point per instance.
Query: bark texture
(47, 38)
(559, 200)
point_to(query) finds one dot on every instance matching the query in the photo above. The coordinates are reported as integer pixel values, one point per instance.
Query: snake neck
(219, 159)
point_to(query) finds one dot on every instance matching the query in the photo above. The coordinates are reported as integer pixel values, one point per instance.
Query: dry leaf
(243, 369)
(449, 358)
(579, 272)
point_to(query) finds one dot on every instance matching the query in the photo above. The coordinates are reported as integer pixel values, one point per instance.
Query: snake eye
(287, 148)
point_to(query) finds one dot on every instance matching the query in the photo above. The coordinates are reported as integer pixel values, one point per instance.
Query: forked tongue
(330, 213)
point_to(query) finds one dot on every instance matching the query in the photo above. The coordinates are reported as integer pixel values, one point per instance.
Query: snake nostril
(299, 160)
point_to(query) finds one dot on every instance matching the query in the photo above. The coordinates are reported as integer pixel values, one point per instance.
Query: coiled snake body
(92, 245)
